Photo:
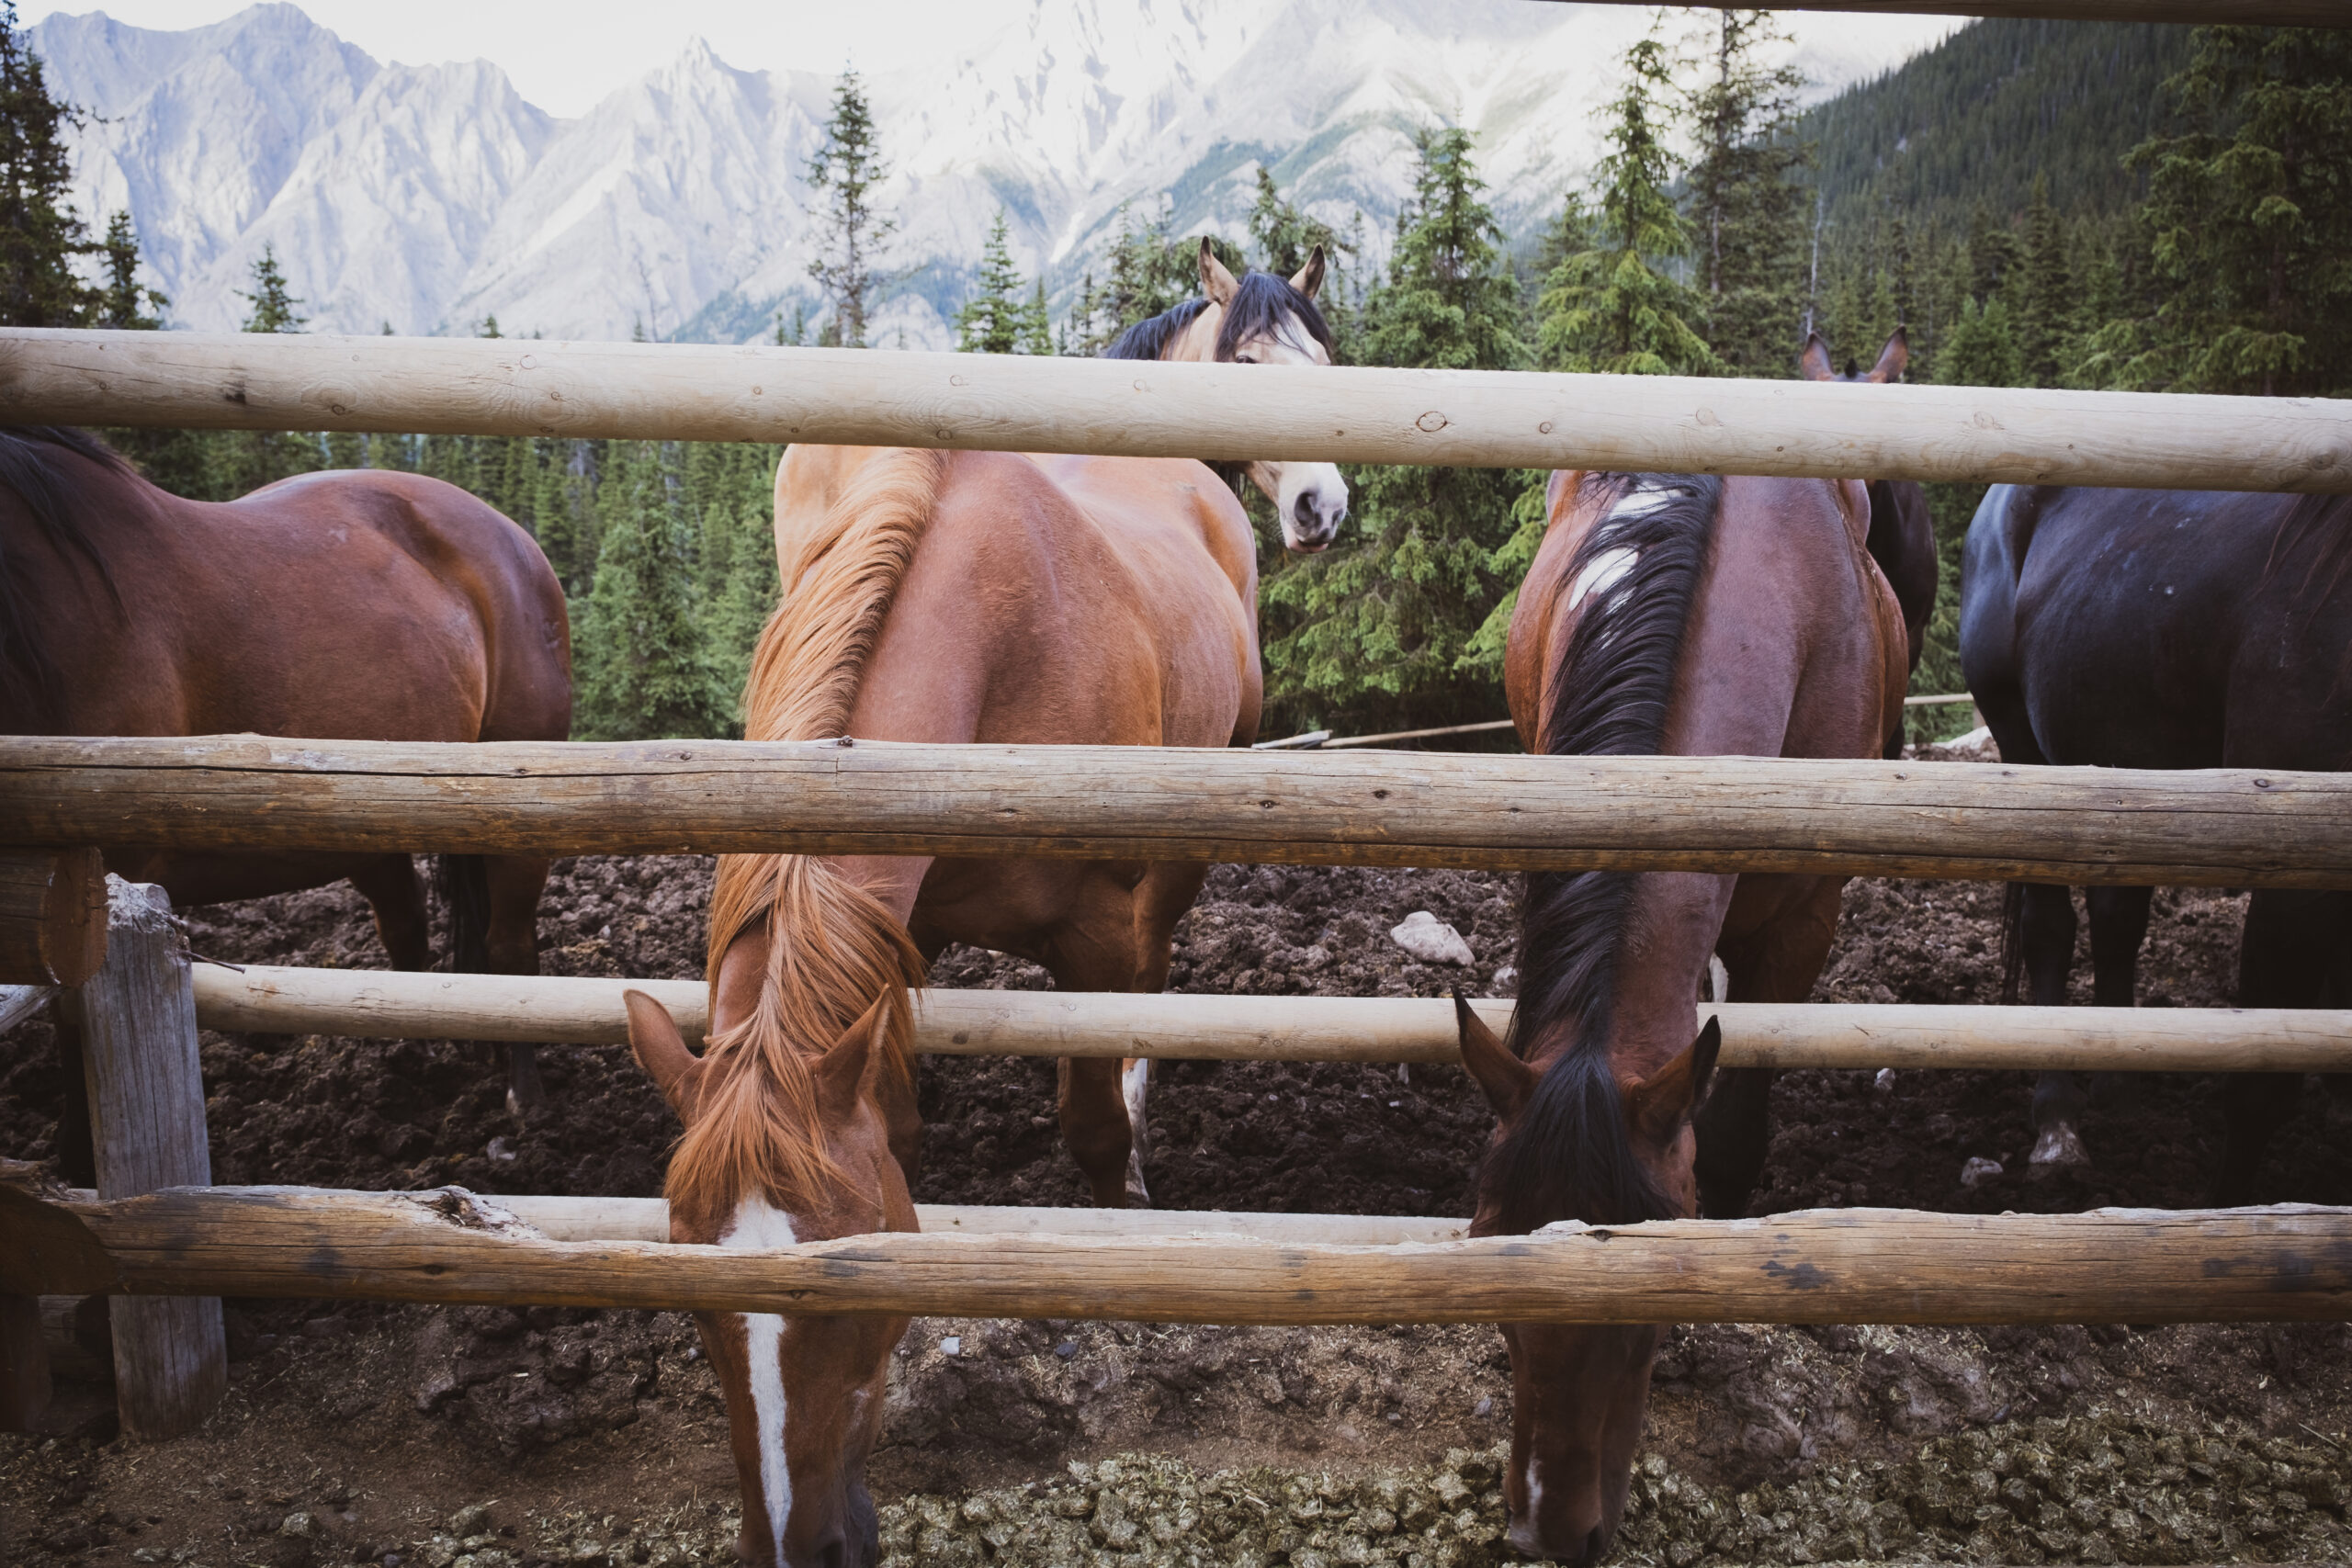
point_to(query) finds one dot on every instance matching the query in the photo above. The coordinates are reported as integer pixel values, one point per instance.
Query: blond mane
(833, 948)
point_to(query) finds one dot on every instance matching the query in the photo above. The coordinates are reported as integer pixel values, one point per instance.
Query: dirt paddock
(490, 1438)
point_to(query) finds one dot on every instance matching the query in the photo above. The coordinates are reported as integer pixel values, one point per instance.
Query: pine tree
(1610, 307)
(1747, 205)
(1375, 632)
(2045, 292)
(273, 304)
(995, 320)
(1981, 348)
(40, 234)
(2249, 215)
(853, 231)
(642, 670)
(125, 303)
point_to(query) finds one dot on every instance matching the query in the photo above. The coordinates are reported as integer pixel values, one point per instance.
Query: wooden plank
(1488, 726)
(2202, 12)
(24, 1387)
(547, 1010)
(648, 1219)
(2217, 827)
(1031, 403)
(2288, 1262)
(52, 915)
(137, 1017)
(19, 1003)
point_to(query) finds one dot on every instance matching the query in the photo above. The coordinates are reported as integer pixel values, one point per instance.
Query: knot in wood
(1431, 422)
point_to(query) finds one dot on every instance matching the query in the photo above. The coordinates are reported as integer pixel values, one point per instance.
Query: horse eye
(1243, 359)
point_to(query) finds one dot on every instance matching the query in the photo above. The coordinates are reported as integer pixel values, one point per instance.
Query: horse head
(1573, 1141)
(1261, 319)
(1814, 360)
(804, 1394)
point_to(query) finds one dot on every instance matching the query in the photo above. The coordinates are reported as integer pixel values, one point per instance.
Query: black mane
(1149, 338)
(1568, 1156)
(1260, 304)
(33, 466)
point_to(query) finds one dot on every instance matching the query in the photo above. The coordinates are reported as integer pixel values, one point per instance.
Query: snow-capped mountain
(429, 198)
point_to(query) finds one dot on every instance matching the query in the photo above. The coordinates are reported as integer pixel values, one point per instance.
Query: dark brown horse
(1903, 531)
(1691, 617)
(360, 607)
(2167, 630)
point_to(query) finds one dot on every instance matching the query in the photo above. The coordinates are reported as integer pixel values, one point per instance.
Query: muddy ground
(364, 1433)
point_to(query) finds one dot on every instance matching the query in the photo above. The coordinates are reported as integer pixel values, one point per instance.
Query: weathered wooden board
(137, 1018)
(1830, 1266)
(549, 1010)
(1024, 403)
(2218, 826)
(53, 917)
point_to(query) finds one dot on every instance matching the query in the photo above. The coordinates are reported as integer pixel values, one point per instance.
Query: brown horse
(1903, 531)
(1691, 617)
(949, 597)
(363, 606)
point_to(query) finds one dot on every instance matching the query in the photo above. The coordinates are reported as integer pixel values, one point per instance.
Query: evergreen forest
(2132, 207)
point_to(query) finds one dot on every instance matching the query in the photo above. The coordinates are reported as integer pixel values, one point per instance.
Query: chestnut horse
(1903, 531)
(361, 606)
(1685, 617)
(947, 597)
(2133, 628)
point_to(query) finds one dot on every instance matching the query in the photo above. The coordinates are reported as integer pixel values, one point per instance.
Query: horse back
(2168, 628)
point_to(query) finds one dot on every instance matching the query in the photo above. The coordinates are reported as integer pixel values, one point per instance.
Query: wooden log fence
(390, 1004)
(2241, 13)
(1016, 403)
(2211, 827)
(1833, 1266)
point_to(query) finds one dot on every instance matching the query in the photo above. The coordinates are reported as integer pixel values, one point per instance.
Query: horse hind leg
(2294, 954)
(389, 884)
(511, 946)
(2118, 928)
(2043, 929)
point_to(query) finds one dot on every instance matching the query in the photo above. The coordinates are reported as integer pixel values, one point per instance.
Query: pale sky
(565, 56)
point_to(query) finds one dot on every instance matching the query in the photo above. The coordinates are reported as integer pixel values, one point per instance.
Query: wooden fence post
(137, 1027)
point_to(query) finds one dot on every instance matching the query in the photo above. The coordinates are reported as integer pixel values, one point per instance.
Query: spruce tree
(2045, 292)
(1611, 308)
(852, 231)
(995, 320)
(1747, 206)
(273, 302)
(125, 303)
(40, 234)
(639, 661)
(1981, 349)
(1037, 323)
(2249, 215)
(1373, 633)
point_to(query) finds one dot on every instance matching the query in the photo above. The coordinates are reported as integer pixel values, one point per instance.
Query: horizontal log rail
(2242, 13)
(648, 1219)
(2211, 827)
(1019, 402)
(390, 1004)
(1830, 1266)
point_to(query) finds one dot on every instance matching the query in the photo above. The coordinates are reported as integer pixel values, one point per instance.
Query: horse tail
(462, 884)
(833, 948)
(2012, 942)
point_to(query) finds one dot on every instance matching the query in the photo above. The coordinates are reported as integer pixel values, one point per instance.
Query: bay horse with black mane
(1686, 616)
(2126, 628)
(1903, 530)
(352, 606)
(953, 597)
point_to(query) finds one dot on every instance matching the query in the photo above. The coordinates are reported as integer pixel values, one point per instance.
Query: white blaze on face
(758, 1225)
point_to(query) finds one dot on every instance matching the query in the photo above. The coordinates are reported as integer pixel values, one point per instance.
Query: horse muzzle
(1314, 521)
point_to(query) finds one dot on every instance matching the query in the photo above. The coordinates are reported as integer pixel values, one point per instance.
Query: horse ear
(1891, 358)
(846, 1073)
(1309, 278)
(654, 1040)
(1659, 1104)
(1507, 1082)
(1813, 359)
(1216, 282)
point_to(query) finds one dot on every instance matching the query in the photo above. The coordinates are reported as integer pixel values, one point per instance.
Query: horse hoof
(2058, 1146)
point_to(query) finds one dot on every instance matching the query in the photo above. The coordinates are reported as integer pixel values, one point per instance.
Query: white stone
(1432, 941)
(1979, 1170)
